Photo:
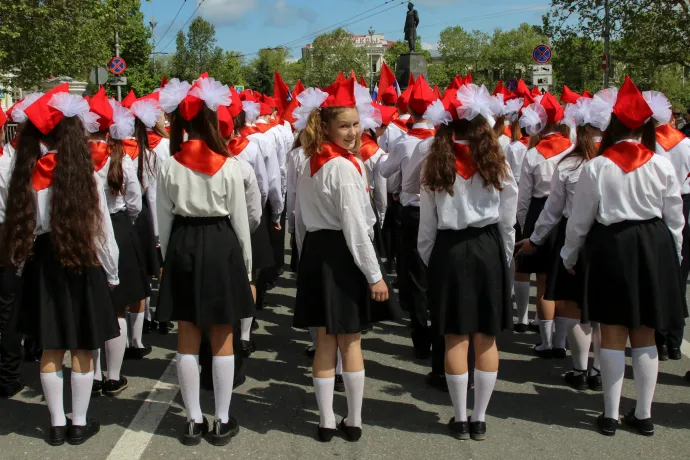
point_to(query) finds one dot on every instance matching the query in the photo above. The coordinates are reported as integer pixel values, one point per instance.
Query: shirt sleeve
(411, 178)
(380, 193)
(585, 205)
(253, 197)
(392, 164)
(107, 251)
(553, 209)
(239, 220)
(351, 202)
(152, 175)
(525, 192)
(291, 194)
(506, 214)
(672, 211)
(300, 228)
(132, 188)
(274, 185)
(428, 224)
(164, 207)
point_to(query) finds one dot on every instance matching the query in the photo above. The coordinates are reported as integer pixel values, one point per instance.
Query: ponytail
(439, 170)
(116, 177)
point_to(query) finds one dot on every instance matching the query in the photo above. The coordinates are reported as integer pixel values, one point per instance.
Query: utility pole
(607, 36)
(117, 53)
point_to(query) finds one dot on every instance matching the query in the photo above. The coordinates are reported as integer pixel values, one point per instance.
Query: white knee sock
(97, 372)
(312, 332)
(339, 364)
(596, 348)
(563, 325)
(115, 351)
(612, 372)
(223, 376)
(546, 331)
(323, 387)
(522, 301)
(354, 391)
(147, 309)
(52, 391)
(645, 363)
(82, 383)
(457, 387)
(579, 339)
(484, 383)
(246, 328)
(137, 322)
(188, 376)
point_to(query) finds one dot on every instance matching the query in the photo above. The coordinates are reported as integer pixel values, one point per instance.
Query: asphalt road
(532, 414)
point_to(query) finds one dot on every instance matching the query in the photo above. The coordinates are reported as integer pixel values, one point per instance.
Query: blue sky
(248, 25)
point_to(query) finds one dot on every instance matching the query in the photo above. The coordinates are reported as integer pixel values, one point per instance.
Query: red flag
(299, 87)
(386, 80)
(294, 103)
(281, 92)
(362, 81)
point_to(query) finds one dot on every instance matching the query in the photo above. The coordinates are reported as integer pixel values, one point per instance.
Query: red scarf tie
(508, 131)
(196, 156)
(327, 153)
(628, 155)
(99, 153)
(43, 172)
(369, 147)
(422, 133)
(668, 137)
(237, 145)
(402, 124)
(154, 139)
(553, 144)
(464, 165)
(131, 148)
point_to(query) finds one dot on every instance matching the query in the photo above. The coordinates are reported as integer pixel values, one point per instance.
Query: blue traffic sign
(542, 54)
(117, 65)
(512, 84)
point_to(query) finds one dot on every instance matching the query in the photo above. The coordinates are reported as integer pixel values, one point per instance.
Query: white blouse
(294, 163)
(679, 156)
(278, 140)
(377, 184)
(472, 205)
(6, 168)
(607, 195)
(515, 155)
(251, 194)
(412, 173)
(148, 189)
(185, 192)
(130, 202)
(392, 135)
(560, 201)
(273, 177)
(335, 198)
(252, 155)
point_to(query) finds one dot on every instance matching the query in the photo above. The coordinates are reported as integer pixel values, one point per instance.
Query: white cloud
(225, 12)
(429, 46)
(283, 14)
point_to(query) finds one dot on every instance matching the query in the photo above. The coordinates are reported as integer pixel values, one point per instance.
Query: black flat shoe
(97, 387)
(559, 353)
(193, 432)
(57, 435)
(544, 354)
(238, 382)
(607, 426)
(663, 352)
(222, 433)
(687, 376)
(326, 434)
(437, 381)
(644, 427)
(137, 353)
(533, 327)
(77, 434)
(460, 430)
(577, 379)
(247, 347)
(477, 430)
(339, 385)
(114, 387)
(594, 381)
(674, 353)
(11, 390)
(255, 325)
(352, 433)
(310, 351)
(521, 328)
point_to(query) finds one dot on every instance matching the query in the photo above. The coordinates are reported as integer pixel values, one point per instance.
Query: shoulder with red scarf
(197, 156)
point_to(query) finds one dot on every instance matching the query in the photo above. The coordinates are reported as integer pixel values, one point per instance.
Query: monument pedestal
(414, 63)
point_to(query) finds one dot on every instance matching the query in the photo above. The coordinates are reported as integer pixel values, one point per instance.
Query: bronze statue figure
(411, 23)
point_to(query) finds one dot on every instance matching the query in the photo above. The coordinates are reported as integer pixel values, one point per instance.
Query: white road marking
(138, 434)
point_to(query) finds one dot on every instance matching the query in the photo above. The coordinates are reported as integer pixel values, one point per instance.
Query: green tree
(509, 52)
(400, 47)
(438, 75)
(332, 53)
(258, 74)
(463, 51)
(577, 62)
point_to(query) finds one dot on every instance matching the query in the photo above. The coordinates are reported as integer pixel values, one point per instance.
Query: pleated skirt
(561, 285)
(632, 276)
(205, 278)
(469, 282)
(539, 261)
(147, 239)
(262, 251)
(63, 308)
(134, 285)
(332, 292)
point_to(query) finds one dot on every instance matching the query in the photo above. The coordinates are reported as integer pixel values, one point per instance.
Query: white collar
(634, 141)
(596, 138)
(423, 126)
(462, 142)
(553, 132)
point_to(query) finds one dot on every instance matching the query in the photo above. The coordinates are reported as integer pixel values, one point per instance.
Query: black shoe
(663, 352)
(247, 348)
(193, 432)
(644, 427)
(533, 327)
(687, 376)
(239, 381)
(594, 382)
(674, 353)
(607, 426)
(9, 391)
(97, 387)
(310, 351)
(255, 325)
(114, 387)
(437, 381)
(326, 434)
(222, 433)
(270, 286)
(460, 430)
(137, 353)
(352, 433)
(544, 354)
(149, 326)
(521, 328)
(577, 379)
(339, 384)
(559, 353)
(80, 434)
(57, 435)
(477, 430)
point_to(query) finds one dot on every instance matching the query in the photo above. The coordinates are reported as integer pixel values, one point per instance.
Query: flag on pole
(375, 94)
(386, 80)
(281, 92)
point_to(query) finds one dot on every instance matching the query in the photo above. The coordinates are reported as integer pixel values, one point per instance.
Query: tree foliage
(258, 74)
(400, 47)
(332, 53)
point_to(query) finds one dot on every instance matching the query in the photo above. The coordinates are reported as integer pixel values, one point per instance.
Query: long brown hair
(147, 159)
(314, 135)
(204, 126)
(516, 132)
(617, 131)
(487, 155)
(116, 176)
(75, 215)
(500, 126)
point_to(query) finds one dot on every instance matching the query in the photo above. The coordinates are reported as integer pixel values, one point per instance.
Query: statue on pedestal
(411, 23)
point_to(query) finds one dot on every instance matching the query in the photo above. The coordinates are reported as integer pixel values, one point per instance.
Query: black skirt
(561, 285)
(147, 239)
(685, 251)
(63, 308)
(539, 261)
(332, 292)
(632, 276)
(262, 251)
(469, 282)
(276, 238)
(133, 285)
(205, 278)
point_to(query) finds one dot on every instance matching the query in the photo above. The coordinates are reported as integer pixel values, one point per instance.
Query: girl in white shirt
(206, 245)
(626, 224)
(466, 237)
(65, 242)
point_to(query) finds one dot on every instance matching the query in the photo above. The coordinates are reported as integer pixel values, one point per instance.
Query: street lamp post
(371, 56)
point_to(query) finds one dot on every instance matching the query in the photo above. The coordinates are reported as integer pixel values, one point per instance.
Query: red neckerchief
(422, 133)
(237, 145)
(131, 148)
(508, 131)
(14, 142)
(263, 127)
(248, 131)
(369, 147)
(668, 137)
(628, 155)
(327, 153)
(524, 140)
(402, 124)
(553, 144)
(154, 139)
(196, 156)
(464, 164)
(99, 153)
(43, 172)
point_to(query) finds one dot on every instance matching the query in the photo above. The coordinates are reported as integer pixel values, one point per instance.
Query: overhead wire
(185, 24)
(170, 25)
